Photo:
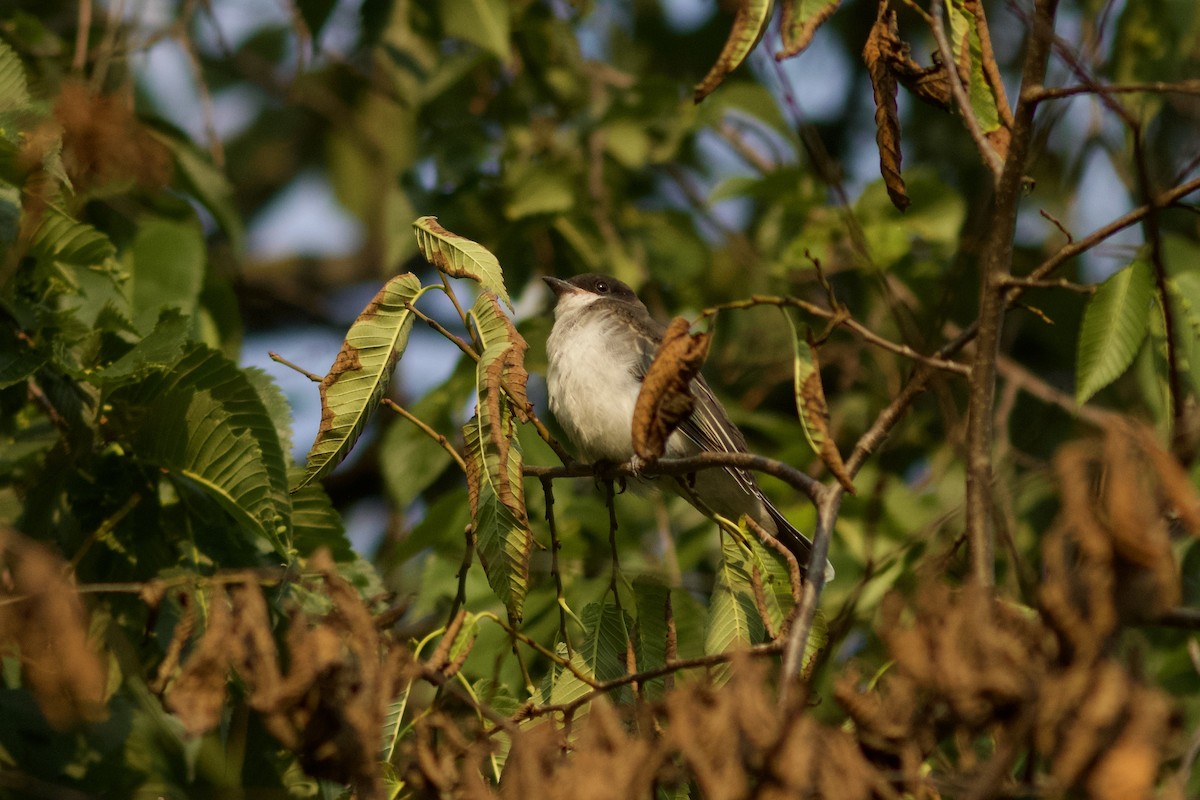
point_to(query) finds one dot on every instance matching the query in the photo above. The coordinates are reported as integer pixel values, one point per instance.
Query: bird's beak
(559, 286)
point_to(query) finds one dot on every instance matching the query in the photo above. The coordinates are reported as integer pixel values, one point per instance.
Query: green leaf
(459, 257)
(733, 618)
(361, 372)
(14, 92)
(168, 264)
(1184, 288)
(654, 613)
(494, 462)
(316, 523)
(538, 190)
(601, 655)
(1114, 324)
(162, 347)
(203, 422)
(211, 187)
(480, 22)
(801, 18)
(749, 24)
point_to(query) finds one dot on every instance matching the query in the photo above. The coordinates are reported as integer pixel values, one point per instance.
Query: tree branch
(995, 269)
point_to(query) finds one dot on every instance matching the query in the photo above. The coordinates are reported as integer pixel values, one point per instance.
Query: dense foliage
(979, 398)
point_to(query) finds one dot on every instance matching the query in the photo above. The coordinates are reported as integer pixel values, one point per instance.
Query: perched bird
(599, 349)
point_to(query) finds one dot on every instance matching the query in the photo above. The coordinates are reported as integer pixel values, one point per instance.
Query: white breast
(591, 383)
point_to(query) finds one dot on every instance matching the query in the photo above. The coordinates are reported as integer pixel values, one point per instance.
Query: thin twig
(1154, 87)
(555, 546)
(278, 359)
(427, 430)
(839, 318)
(532, 710)
(1053, 283)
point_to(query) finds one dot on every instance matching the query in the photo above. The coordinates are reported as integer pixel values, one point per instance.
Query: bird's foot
(605, 471)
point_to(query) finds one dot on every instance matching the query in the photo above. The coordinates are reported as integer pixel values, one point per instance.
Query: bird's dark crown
(603, 285)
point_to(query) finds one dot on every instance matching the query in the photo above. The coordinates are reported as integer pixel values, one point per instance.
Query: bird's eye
(601, 287)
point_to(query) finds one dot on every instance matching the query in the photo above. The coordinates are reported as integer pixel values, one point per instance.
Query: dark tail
(796, 542)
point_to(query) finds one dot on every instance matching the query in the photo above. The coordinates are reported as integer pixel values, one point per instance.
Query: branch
(995, 269)
(793, 477)
(1154, 87)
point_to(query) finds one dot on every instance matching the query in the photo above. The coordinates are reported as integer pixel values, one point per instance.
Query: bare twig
(1152, 87)
(555, 546)
(1050, 283)
(427, 430)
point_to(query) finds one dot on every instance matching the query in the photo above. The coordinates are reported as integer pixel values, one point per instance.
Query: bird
(601, 343)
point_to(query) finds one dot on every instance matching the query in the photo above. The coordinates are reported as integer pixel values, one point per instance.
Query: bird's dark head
(587, 288)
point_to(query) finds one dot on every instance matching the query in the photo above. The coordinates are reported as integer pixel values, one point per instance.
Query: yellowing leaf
(812, 408)
(493, 455)
(360, 373)
(801, 18)
(749, 24)
(459, 257)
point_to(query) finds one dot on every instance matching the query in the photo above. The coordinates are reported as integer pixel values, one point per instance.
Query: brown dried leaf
(43, 616)
(812, 407)
(666, 399)
(887, 117)
(198, 694)
(105, 144)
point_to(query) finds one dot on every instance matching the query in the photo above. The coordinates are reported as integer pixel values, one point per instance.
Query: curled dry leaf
(43, 619)
(666, 399)
(887, 116)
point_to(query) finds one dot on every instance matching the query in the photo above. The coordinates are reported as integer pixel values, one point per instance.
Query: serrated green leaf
(601, 655)
(316, 523)
(360, 373)
(1113, 327)
(811, 406)
(14, 92)
(801, 18)
(1185, 291)
(459, 257)
(162, 347)
(201, 420)
(733, 618)
(494, 462)
(749, 24)
(480, 22)
(654, 613)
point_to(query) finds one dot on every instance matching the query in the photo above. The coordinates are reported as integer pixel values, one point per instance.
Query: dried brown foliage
(44, 624)
(328, 706)
(104, 144)
(731, 742)
(666, 399)
(967, 664)
(976, 685)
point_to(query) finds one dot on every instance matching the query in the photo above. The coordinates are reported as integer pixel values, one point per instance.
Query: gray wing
(709, 427)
